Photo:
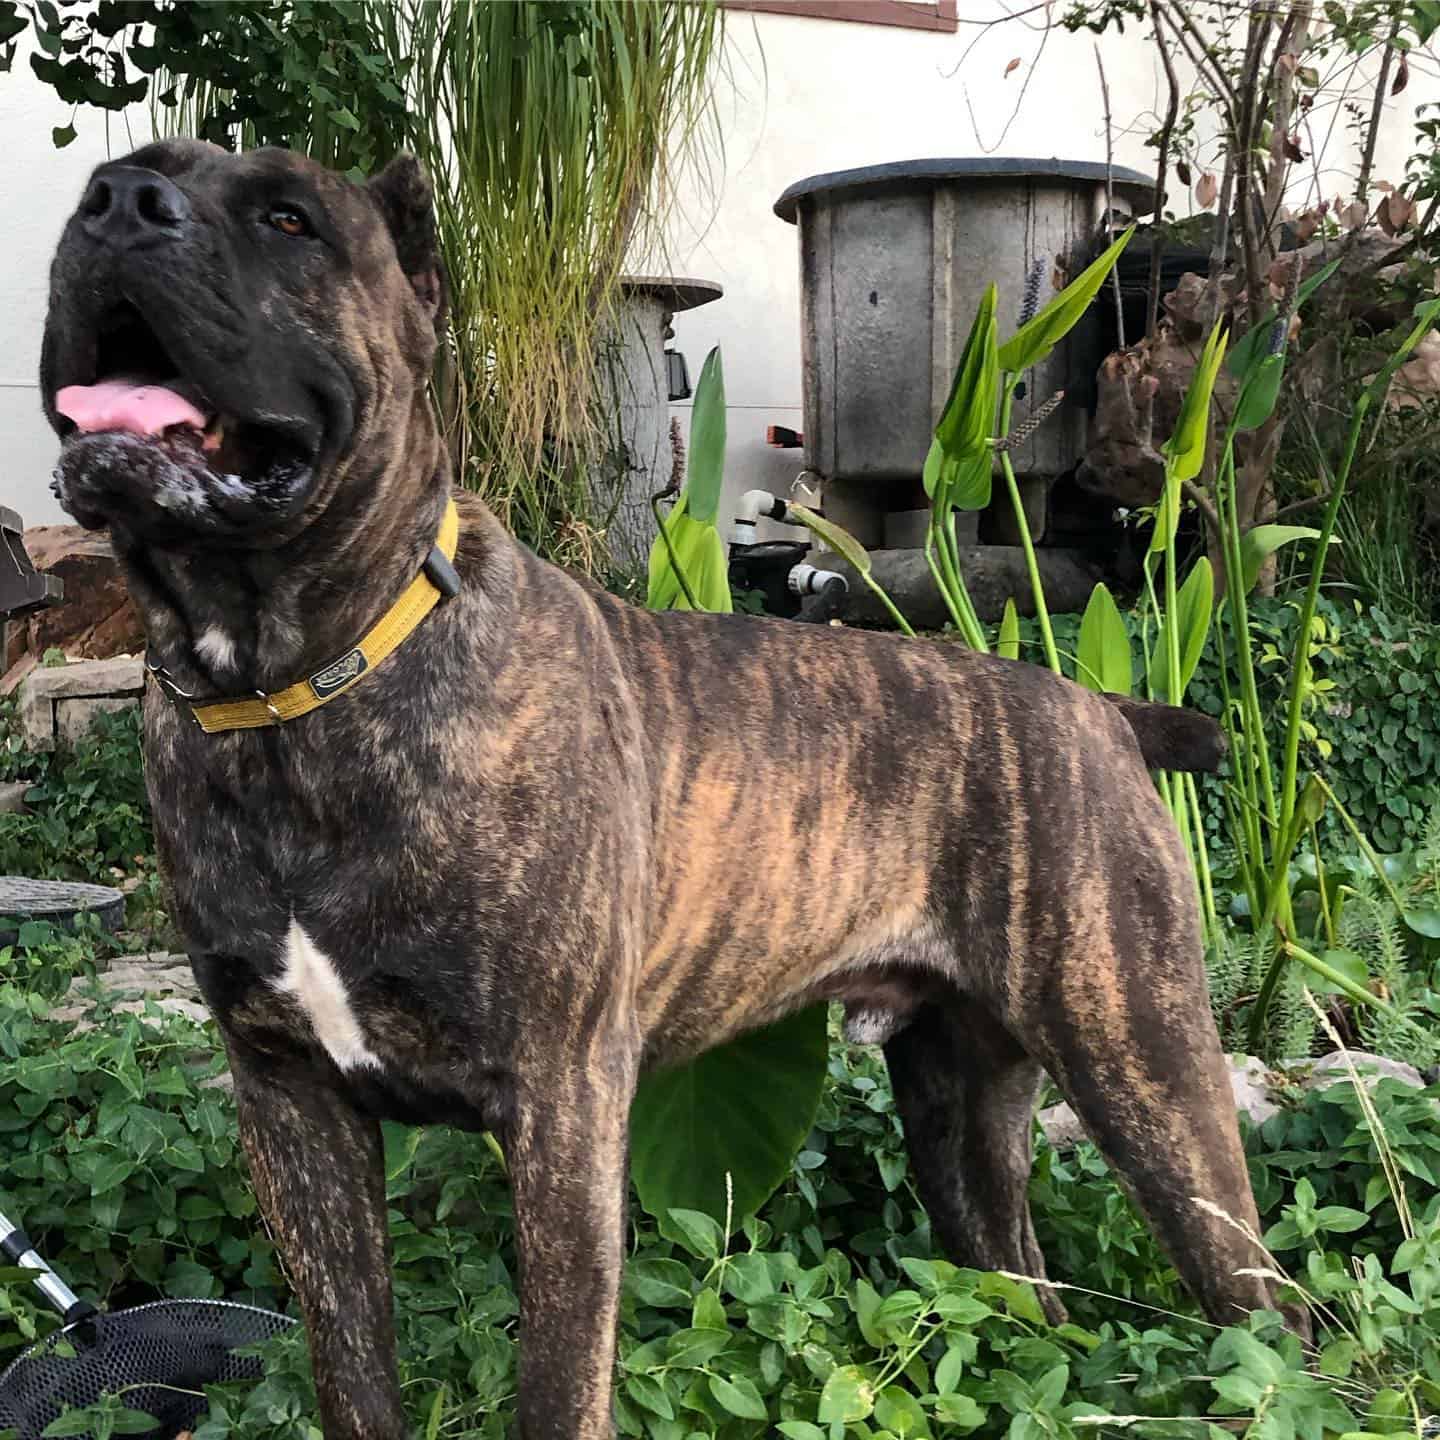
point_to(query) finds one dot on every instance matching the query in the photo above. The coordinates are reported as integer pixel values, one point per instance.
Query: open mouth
(139, 389)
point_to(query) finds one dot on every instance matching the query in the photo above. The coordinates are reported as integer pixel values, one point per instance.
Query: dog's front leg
(566, 1149)
(319, 1175)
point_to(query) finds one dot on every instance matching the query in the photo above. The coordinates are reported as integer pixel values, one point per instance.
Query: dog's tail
(1171, 738)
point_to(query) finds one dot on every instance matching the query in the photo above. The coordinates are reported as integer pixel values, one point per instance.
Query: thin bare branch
(1167, 130)
(1242, 142)
(1377, 106)
(1281, 82)
(1204, 504)
(1110, 199)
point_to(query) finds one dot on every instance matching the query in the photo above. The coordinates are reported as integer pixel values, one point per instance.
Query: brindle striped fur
(528, 844)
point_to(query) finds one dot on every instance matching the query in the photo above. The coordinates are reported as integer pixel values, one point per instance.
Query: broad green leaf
(958, 484)
(658, 1282)
(900, 1413)
(949, 1370)
(743, 1109)
(1338, 1358)
(72, 1422)
(700, 554)
(1256, 342)
(1346, 963)
(1308, 810)
(1009, 644)
(1259, 543)
(705, 468)
(437, 1413)
(401, 1142)
(708, 1312)
(1259, 393)
(1187, 442)
(839, 539)
(969, 482)
(1389, 1412)
(1424, 922)
(649, 1394)
(867, 1307)
(847, 1396)
(690, 1349)
(1035, 339)
(967, 422)
(739, 1396)
(960, 1411)
(1185, 450)
(110, 1171)
(930, 475)
(1103, 651)
(1194, 605)
(698, 1232)
(134, 1422)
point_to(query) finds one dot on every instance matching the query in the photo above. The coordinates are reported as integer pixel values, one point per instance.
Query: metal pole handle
(15, 1246)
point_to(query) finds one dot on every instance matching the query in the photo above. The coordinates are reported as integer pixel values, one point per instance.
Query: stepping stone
(57, 901)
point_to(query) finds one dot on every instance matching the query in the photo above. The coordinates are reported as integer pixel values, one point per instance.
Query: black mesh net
(166, 1350)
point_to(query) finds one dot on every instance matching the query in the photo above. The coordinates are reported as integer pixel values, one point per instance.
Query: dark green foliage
(1380, 712)
(830, 1316)
(89, 814)
(291, 72)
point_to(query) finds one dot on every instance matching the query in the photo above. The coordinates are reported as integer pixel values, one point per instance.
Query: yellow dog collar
(435, 581)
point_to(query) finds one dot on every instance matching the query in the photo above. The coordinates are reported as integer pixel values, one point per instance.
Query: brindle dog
(514, 867)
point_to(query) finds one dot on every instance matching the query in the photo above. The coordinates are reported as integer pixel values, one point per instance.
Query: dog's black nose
(129, 206)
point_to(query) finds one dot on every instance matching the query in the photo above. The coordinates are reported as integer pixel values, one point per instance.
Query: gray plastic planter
(894, 259)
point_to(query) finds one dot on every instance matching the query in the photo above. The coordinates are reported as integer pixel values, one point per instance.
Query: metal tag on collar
(441, 573)
(165, 680)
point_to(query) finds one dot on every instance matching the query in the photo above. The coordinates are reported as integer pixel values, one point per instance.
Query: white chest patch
(310, 978)
(216, 648)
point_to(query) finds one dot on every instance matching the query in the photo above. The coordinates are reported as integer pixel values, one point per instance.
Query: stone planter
(636, 377)
(61, 703)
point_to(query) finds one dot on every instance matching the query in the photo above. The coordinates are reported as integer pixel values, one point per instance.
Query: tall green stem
(1042, 612)
(1257, 752)
(1300, 666)
(1202, 855)
(675, 564)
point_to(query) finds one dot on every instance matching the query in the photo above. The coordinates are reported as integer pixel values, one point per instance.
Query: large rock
(61, 702)
(1332, 1068)
(95, 619)
(1249, 1081)
(993, 575)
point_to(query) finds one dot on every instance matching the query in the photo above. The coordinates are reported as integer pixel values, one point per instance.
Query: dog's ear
(402, 193)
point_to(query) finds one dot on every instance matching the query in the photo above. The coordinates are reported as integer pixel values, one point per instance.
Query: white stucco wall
(800, 96)
(40, 186)
(804, 96)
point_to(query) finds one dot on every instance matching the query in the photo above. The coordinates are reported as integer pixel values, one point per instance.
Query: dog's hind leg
(566, 1151)
(320, 1178)
(1120, 1017)
(966, 1091)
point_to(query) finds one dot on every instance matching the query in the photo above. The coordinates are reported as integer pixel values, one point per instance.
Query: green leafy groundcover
(828, 1317)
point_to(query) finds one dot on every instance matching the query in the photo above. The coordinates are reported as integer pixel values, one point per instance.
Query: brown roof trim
(939, 15)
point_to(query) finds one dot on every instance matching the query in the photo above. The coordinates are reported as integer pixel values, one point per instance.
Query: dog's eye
(289, 221)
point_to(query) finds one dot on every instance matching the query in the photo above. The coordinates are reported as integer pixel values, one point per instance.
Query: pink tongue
(124, 405)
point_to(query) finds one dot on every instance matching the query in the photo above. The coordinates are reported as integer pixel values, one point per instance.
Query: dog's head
(227, 333)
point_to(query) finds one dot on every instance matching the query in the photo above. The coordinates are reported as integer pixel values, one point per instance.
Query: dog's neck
(233, 621)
